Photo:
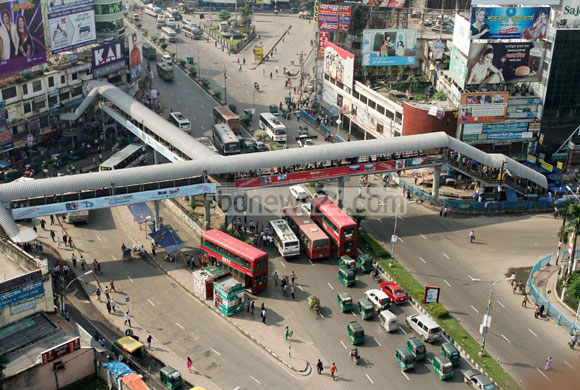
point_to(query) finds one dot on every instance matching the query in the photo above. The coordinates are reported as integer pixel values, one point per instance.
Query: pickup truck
(78, 217)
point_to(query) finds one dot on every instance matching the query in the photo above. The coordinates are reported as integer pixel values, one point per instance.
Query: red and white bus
(314, 242)
(341, 229)
(247, 264)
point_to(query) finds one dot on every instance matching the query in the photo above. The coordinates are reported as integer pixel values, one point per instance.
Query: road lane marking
(544, 375)
(402, 330)
(474, 309)
(343, 344)
(202, 107)
(501, 304)
(152, 304)
(130, 278)
(320, 314)
(311, 263)
(424, 238)
(405, 376)
(283, 265)
(219, 354)
(300, 287)
(99, 238)
(113, 257)
(420, 258)
(401, 218)
(532, 332)
(568, 364)
(506, 339)
(329, 285)
(377, 341)
(446, 282)
(257, 381)
(400, 239)
(353, 313)
(178, 324)
(370, 380)
(445, 254)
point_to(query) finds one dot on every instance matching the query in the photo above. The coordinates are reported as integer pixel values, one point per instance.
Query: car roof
(484, 379)
(425, 319)
(377, 292)
(393, 285)
(470, 373)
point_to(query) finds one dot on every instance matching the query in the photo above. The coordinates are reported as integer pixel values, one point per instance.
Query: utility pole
(225, 85)
(198, 64)
(301, 74)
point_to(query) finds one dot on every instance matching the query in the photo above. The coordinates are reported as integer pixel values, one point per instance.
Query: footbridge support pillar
(340, 192)
(208, 199)
(436, 181)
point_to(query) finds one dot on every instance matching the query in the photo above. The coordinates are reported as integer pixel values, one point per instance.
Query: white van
(167, 59)
(425, 327)
(388, 320)
(298, 192)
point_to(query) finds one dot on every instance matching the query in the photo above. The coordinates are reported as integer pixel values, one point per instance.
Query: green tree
(224, 15)
(440, 95)
(246, 15)
(307, 5)
(571, 225)
(359, 215)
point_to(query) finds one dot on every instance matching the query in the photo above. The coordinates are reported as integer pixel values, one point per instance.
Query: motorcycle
(376, 275)
(355, 357)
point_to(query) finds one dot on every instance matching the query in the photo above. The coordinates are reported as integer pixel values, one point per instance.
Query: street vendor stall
(228, 296)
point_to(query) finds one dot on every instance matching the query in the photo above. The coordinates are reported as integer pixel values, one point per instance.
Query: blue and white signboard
(21, 293)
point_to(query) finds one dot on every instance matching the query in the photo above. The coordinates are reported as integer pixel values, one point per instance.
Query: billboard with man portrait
(509, 22)
(135, 58)
(389, 47)
(22, 35)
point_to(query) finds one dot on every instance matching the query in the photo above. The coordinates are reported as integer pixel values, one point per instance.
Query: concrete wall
(77, 365)
(416, 120)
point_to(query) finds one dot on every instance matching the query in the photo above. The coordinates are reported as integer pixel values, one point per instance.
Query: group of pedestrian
(287, 288)
(443, 213)
(539, 311)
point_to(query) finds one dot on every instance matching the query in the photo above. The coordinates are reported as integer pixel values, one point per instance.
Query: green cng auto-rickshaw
(344, 301)
(450, 352)
(170, 377)
(366, 309)
(405, 359)
(355, 332)
(442, 367)
(347, 262)
(346, 276)
(417, 348)
(365, 262)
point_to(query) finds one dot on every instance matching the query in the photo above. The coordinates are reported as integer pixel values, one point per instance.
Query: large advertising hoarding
(333, 17)
(59, 5)
(483, 107)
(72, 28)
(339, 64)
(569, 17)
(384, 3)
(461, 34)
(108, 58)
(389, 47)
(509, 22)
(509, 62)
(135, 50)
(22, 36)
(458, 67)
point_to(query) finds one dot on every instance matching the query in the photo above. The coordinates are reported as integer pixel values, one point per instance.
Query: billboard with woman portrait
(22, 44)
(509, 22)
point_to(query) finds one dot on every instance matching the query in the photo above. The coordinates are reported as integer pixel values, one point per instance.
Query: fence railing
(551, 310)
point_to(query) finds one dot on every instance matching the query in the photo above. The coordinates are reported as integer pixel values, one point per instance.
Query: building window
(25, 89)
(363, 99)
(372, 104)
(64, 96)
(51, 82)
(77, 91)
(40, 105)
(74, 76)
(62, 79)
(52, 101)
(355, 94)
(381, 109)
(389, 114)
(9, 93)
(27, 108)
(36, 86)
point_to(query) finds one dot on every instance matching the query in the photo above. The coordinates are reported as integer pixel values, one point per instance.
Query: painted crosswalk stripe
(532, 332)
(569, 365)
(474, 309)
(446, 282)
(257, 381)
(424, 238)
(219, 354)
(501, 304)
(420, 258)
(130, 278)
(544, 375)
(152, 304)
(445, 254)
(406, 376)
(506, 339)
(178, 324)
(329, 285)
(370, 380)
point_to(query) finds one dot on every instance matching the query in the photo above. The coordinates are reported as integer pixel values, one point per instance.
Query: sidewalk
(545, 281)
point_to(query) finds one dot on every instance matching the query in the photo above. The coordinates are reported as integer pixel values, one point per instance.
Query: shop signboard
(509, 22)
(511, 135)
(389, 47)
(21, 293)
(59, 5)
(570, 15)
(458, 67)
(483, 107)
(334, 17)
(28, 48)
(108, 58)
(72, 28)
(339, 64)
(323, 37)
(461, 32)
(384, 3)
(505, 62)
(475, 3)
(61, 350)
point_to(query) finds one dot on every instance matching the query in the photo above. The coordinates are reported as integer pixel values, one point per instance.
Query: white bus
(169, 34)
(180, 121)
(152, 10)
(273, 127)
(225, 140)
(285, 239)
(192, 31)
(131, 156)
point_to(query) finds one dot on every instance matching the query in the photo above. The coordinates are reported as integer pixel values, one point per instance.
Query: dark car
(478, 380)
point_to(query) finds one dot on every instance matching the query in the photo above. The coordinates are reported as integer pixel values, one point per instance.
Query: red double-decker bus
(246, 263)
(314, 242)
(341, 229)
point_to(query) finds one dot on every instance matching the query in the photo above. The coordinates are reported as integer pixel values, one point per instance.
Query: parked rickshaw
(405, 359)
(344, 301)
(450, 352)
(314, 303)
(366, 309)
(365, 262)
(442, 367)
(129, 347)
(355, 332)
(417, 348)
(347, 262)
(170, 377)
(346, 276)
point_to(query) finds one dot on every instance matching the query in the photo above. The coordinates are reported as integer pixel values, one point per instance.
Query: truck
(149, 52)
(78, 217)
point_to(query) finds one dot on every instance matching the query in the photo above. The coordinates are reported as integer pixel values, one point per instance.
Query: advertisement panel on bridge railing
(329, 173)
(113, 201)
(509, 22)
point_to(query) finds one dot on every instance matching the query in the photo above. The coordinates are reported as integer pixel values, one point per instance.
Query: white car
(304, 143)
(298, 192)
(379, 299)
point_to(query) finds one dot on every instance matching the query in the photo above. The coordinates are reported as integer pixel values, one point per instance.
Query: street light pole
(225, 85)
(486, 319)
(198, 64)
(63, 293)
(395, 231)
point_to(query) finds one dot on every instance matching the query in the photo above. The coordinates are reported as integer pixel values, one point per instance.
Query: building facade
(109, 19)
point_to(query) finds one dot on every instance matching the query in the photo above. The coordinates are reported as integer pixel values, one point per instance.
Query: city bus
(191, 31)
(225, 141)
(223, 114)
(130, 156)
(172, 13)
(165, 71)
(341, 229)
(247, 264)
(314, 242)
(169, 34)
(152, 10)
(285, 239)
(273, 127)
(180, 121)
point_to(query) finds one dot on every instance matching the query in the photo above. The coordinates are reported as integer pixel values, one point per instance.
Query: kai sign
(108, 58)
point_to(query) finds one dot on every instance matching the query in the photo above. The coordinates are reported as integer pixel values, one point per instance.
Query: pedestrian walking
(74, 260)
(99, 268)
(114, 305)
(472, 236)
(285, 290)
(83, 263)
(537, 311)
(149, 339)
(444, 211)
(244, 60)
(441, 211)
(263, 72)
(263, 313)
(275, 278)
(65, 239)
(333, 370)
(292, 291)
(70, 244)
(525, 301)
(109, 306)
(319, 367)
(153, 249)
(98, 293)
(248, 305)
(286, 332)
(360, 192)
(188, 363)
(58, 241)
(127, 320)
(101, 157)
(107, 295)
(112, 286)
(42, 224)
(548, 363)
(252, 307)
(542, 308)
(292, 277)
(52, 219)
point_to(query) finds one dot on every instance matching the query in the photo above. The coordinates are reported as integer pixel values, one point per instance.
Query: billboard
(59, 5)
(505, 62)
(483, 107)
(389, 47)
(339, 64)
(385, 3)
(461, 33)
(135, 50)
(108, 58)
(570, 15)
(458, 67)
(323, 36)
(475, 3)
(22, 36)
(333, 17)
(509, 22)
(72, 28)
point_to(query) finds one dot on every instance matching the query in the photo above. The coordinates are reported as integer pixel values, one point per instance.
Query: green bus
(165, 71)
(149, 52)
